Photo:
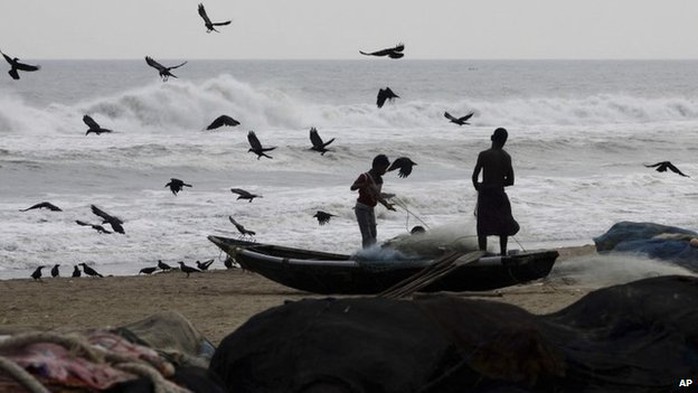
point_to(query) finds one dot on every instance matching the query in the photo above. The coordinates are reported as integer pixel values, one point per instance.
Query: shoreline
(216, 302)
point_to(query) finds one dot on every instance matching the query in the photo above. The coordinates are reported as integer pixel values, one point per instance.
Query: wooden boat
(328, 273)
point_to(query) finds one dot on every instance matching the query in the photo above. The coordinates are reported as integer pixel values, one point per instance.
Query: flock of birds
(403, 164)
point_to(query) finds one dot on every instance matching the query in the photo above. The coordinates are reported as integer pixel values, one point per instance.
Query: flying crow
(241, 228)
(162, 70)
(17, 66)
(207, 21)
(93, 126)
(393, 53)
(459, 120)
(115, 222)
(404, 165)
(664, 165)
(318, 144)
(43, 205)
(242, 194)
(385, 94)
(323, 217)
(256, 146)
(176, 185)
(89, 271)
(223, 120)
(96, 227)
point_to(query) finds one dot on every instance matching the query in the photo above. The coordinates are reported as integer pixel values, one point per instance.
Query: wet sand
(216, 302)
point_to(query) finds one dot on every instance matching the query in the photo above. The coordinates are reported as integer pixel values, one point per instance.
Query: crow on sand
(43, 205)
(76, 271)
(176, 185)
(15, 66)
(256, 146)
(164, 72)
(163, 266)
(89, 271)
(93, 127)
(207, 21)
(459, 120)
(204, 265)
(36, 275)
(148, 270)
(223, 120)
(318, 144)
(404, 165)
(54, 270)
(188, 269)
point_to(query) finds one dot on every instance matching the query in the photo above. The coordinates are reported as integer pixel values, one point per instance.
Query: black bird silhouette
(242, 194)
(148, 270)
(54, 270)
(89, 271)
(207, 21)
(93, 126)
(228, 263)
(318, 144)
(323, 217)
(188, 269)
(96, 227)
(240, 228)
(256, 146)
(176, 185)
(76, 271)
(43, 205)
(115, 222)
(394, 52)
(17, 66)
(223, 120)
(36, 275)
(163, 266)
(385, 94)
(164, 72)
(459, 120)
(204, 265)
(664, 165)
(404, 164)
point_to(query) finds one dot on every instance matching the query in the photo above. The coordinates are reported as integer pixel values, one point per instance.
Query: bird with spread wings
(207, 21)
(385, 95)
(393, 53)
(256, 146)
(164, 72)
(459, 120)
(223, 120)
(93, 126)
(318, 144)
(662, 166)
(404, 164)
(15, 66)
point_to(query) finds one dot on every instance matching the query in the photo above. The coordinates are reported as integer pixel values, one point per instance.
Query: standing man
(493, 208)
(369, 185)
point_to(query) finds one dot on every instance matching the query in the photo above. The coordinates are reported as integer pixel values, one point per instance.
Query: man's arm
(476, 173)
(509, 177)
(360, 182)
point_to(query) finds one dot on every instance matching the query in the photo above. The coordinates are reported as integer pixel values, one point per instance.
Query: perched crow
(115, 222)
(93, 126)
(188, 269)
(223, 120)
(162, 70)
(242, 194)
(256, 146)
(17, 66)
(664, 165)
(96, 227)
(318, 144)
(148, 270)
(54, 270)
(207, 21)
(323, 217)
(176, 185)
(89, 271)
(240, 228)
(43, 205)
(394, 52)
(76, 271)
(163, 266)
(204, 265)
(385, 94)
(36, 275)
(459, 120)
(404, 164)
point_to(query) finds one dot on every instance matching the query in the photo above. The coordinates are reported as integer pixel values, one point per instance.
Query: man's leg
(482, 242)
(503, 245)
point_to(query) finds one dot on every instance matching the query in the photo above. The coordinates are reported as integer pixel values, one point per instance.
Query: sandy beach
(216, 302)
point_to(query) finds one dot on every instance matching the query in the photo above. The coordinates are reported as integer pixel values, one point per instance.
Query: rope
(20, 375)
(403, 205)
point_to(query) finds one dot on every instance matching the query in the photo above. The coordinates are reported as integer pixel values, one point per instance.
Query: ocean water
(579, 133)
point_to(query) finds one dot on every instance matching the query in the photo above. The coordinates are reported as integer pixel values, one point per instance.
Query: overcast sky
(333, 29)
